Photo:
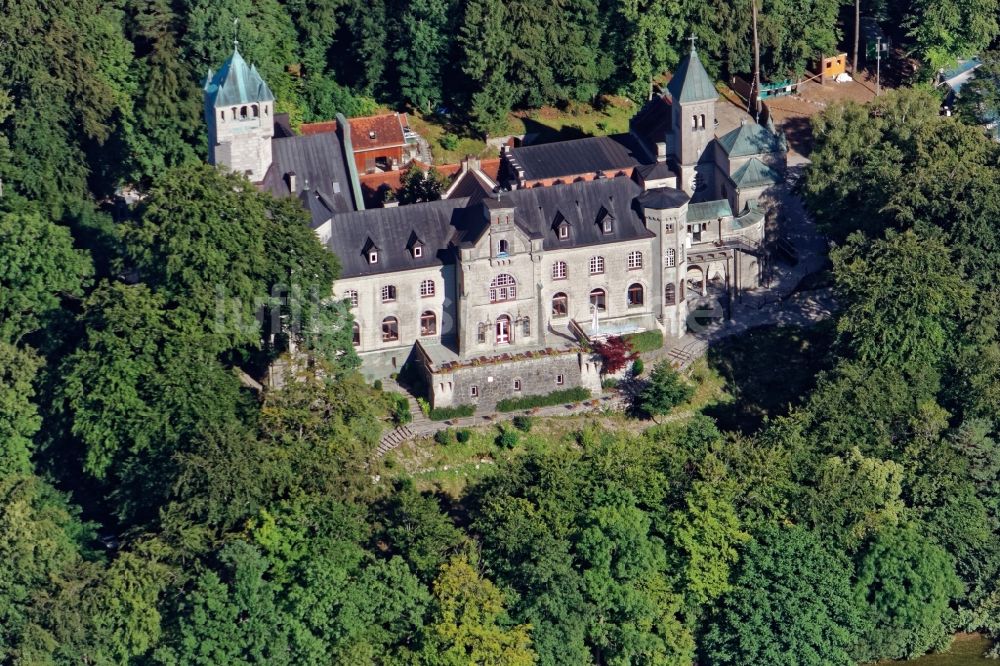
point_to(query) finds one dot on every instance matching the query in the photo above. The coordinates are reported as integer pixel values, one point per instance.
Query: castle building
(492, 292)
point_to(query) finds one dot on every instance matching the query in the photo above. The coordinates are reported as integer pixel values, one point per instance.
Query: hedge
(645, 341)
(577, 394)
(445, 413)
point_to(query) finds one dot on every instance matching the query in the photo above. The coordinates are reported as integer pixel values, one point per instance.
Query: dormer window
(606, 225)
(418, 251)
(373, 257)
(563, 231)
(503, 248)
(371, 134)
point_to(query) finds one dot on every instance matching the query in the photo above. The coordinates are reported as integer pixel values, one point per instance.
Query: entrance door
(503, 330)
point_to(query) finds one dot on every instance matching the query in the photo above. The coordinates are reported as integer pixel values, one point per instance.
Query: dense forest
(154, 509)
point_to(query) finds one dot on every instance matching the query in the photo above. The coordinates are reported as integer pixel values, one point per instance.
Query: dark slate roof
(282, 126)
(470, 185)
(391, 230)
(691, 83)
(655, 171)
(709, 210)
(318, 164)
(663, 198)
(446, 224)
(750, 139)
(755, 174)
(654, 121)
(236, 83)
(579, 157)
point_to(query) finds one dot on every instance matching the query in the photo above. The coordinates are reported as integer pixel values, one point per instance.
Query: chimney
(291, 181)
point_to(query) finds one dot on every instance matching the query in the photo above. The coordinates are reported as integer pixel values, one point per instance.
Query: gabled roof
(375, 132)
(709, 210)
(755, 174)
(656, 171)
(579, 157)
(321, 180)
(654, 121)
(691, 83)
(236, 83)
(448, 223)
(750, 139)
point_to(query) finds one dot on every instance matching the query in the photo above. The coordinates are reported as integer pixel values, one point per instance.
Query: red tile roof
(376, 132)
(318, 128)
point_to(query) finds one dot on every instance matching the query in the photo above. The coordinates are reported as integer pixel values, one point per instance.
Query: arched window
(356, 335)
(670, 294)
(388, 293)
(234, 113)
(559, 270)
(560, 305)
(256, 111)
(503, 288)
(390, 329)
(427, 288)
(222, 116)
(596, 265)
(635, 295)
(694, 122)
(635, 259)
(670, 258)
(352, 296)
(428, 323)
(598, 299)
(243, 113)
(503, 248)
(703, 121)
(503, 330)
(266, 110)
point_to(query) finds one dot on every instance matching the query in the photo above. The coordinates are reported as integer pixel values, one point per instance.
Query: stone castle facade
(493, 291)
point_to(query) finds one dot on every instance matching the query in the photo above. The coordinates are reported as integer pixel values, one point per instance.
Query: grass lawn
(449, 143)
(967, 650)
(766, 370)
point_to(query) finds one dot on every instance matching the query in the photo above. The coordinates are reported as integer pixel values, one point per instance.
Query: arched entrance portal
(503, 330)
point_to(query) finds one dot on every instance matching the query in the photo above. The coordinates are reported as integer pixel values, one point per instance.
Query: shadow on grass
(767, 371)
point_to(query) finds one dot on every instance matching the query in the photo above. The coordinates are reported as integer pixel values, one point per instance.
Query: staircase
(394, 438)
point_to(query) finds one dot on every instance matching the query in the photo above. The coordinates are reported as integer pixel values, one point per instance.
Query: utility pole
(857, 37)
(756, 60)
(878, 66)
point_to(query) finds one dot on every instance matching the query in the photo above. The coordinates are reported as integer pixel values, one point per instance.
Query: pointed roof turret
(236, 83)
(691, 83)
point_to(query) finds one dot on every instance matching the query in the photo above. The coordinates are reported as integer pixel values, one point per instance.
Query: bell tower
(693, 97)
(239, 112)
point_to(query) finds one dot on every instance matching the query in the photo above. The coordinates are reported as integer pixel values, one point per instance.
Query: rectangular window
(517, 384)
(373, 257)
(668, 228)
(564, 231)
(559, 380)
(474, 391)
(418, 251)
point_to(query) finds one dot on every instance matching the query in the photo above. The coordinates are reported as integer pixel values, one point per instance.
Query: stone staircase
(394, 438)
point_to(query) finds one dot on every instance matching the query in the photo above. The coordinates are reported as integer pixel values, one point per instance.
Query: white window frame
(427, 288)
(597, 265)
(559, 270)
(388, 293)
(634, 259)
(670, 260)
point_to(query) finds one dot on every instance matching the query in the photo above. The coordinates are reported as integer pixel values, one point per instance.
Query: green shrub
(425, 406)
(645, 341)
(378, 384)
(609, 383)
(562, 397)
(463, 435)
(444, 437)
(522, 423)
(445, 413)
(507, 438)
(400, 409)
(449, 141)
(637, 367)
(665, 390)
